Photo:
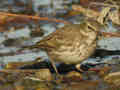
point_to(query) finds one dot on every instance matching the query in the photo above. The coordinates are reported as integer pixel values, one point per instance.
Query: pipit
(72, 43)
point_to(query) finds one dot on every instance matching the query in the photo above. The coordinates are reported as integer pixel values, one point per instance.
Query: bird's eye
(89, 27)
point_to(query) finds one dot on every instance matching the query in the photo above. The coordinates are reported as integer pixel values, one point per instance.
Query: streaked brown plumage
(71, 44)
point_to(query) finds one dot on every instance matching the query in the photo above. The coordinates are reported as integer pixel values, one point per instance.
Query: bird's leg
(57, 76)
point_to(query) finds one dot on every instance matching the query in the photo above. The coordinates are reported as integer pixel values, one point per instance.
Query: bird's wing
(57, 38)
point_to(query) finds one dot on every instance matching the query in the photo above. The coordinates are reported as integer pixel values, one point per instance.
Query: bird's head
(93, 25)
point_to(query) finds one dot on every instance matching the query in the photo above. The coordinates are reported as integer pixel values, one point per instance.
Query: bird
(72, 43)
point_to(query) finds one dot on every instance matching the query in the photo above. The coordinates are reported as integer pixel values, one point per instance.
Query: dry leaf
(114, 16)
(103, 14)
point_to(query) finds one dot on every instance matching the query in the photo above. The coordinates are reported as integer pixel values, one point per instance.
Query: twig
(34, 17)
(111, 34)
(91, 13)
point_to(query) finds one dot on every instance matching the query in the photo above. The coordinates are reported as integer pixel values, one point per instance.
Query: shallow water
(23, 35)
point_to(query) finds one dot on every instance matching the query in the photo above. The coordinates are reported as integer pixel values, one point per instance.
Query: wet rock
(12, 76)
(73, 77)
(44, 74)
(113, 79)
(38, 32)
(12, 42)
(84, 85)
(25, 64)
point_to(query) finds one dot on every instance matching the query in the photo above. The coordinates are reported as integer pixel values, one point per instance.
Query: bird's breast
(75, 53)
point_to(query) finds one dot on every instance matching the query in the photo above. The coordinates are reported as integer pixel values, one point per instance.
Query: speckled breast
(77, 47)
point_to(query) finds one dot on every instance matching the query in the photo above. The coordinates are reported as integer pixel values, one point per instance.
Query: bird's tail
(28, 47)
(39, 45)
